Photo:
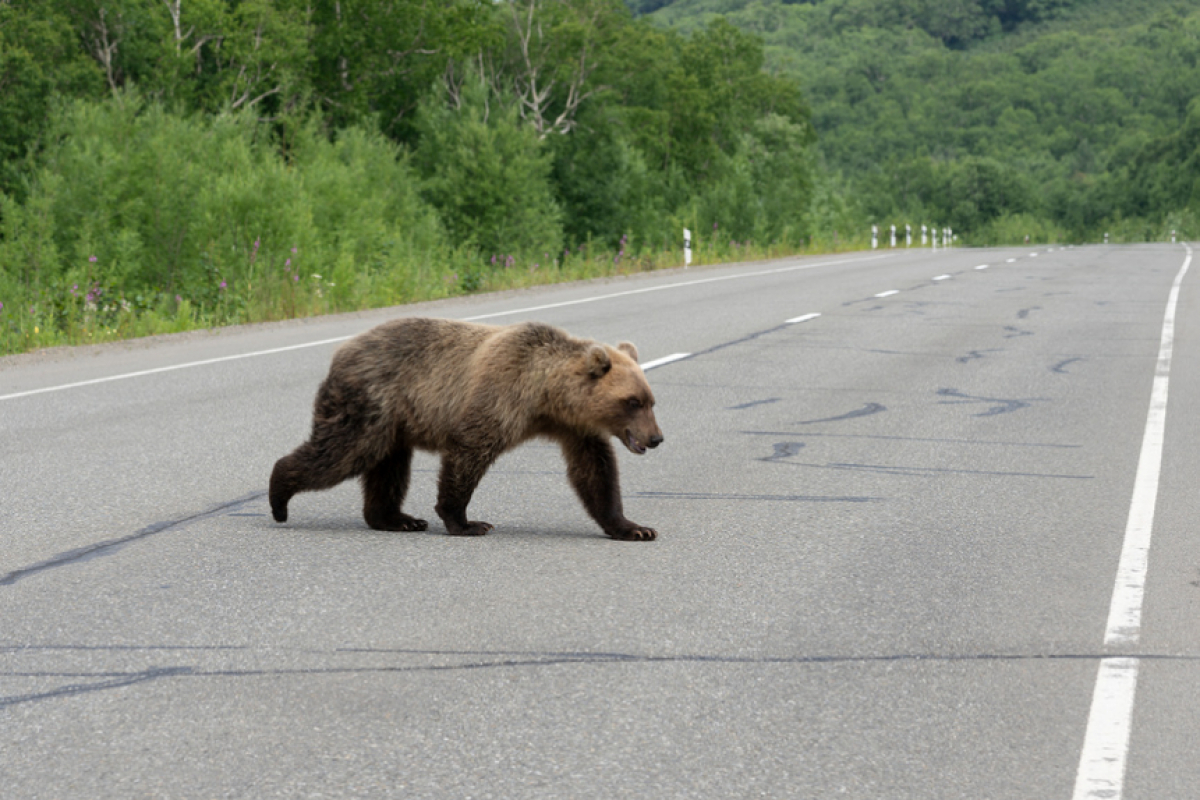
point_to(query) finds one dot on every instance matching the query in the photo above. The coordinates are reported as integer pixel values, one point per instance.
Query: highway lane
(889, 537)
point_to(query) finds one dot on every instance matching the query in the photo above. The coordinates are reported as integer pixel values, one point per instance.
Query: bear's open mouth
(633, 445)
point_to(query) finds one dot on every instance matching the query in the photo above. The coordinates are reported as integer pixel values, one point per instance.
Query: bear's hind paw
(472, 528)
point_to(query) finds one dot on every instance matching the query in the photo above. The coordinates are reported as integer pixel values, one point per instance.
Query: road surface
(903, 506)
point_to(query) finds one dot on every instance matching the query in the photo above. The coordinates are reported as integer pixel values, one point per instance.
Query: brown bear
(470, 392)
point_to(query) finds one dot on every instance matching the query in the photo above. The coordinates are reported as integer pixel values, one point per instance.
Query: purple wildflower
(222, 287)
(92, 259)
(288, 264)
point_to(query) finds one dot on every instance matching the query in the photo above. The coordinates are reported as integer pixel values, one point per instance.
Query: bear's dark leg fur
(592, 470)
(384, 487)
(305, 469)
(334, 452)
(461, 473)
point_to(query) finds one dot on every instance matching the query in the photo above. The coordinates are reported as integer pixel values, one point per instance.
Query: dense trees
(171, 162)
(213, 160)
(1074, 113)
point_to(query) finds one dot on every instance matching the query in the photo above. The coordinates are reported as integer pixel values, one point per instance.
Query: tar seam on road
(110, 546)
(1101, 772)
(524, 659)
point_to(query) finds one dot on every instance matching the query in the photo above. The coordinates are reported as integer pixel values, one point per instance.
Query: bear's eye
(634, 403)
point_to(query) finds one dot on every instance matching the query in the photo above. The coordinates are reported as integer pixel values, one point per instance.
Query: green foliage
(1084, 103)
(169, 164)
(140, 209)
(38, 58)
(487, 175)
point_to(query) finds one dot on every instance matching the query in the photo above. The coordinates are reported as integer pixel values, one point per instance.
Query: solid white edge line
(1125, 611)
(1101, 771)
(888, 293)
(982, 266)
(801, 318)
(658, 362)
(592, 299)
(942, 277)
(172, 367)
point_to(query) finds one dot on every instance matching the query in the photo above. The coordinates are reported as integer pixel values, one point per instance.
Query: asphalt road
(888, 541)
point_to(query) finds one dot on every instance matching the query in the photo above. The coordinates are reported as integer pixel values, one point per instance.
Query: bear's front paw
(396, 522)
(472, 528)
(634, 533)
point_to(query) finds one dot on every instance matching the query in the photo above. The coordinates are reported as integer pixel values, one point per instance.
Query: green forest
(173, 164)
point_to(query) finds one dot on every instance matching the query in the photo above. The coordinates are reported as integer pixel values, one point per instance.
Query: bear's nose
(655, 440)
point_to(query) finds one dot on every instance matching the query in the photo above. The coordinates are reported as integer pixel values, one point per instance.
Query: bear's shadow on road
(341, 527)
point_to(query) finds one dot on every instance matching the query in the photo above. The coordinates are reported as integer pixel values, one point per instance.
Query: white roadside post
(933, 235)
(874, 237)
(1106, 237)
(893, 236)
(687, 248)
(923, 229)
(907, 235)
(950, 236)
(1172, 237)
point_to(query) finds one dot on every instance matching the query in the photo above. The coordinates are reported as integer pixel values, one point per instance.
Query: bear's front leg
(592, 470)
(461, 473)
(384, 487)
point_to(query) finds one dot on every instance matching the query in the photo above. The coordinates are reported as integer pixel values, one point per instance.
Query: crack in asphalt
(519, 659)
(110, 546)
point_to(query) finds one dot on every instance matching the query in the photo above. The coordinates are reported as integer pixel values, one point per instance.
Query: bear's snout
(655, 440)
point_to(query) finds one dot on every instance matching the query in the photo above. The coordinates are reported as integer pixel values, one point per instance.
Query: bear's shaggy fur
(470, 392)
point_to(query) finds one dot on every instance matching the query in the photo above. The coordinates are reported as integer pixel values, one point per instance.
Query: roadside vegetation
(191, 163)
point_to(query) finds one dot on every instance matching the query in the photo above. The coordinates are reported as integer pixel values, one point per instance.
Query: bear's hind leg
(384, 488)
(592, 470)
(305, 469)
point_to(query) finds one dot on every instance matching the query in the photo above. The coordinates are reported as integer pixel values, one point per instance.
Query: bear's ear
(598, 362)
(628, 349)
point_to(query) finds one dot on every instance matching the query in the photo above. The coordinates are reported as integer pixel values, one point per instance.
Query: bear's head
(620, 401)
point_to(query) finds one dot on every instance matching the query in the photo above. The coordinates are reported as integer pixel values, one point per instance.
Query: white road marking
(1125, 612)
(1101, 771)
(888, 293)
(157, 370)
(658, 362)
(591, 299)
(982, 266)
(942, 278)
(1106, 744)
(1009, 261)
(801, 318)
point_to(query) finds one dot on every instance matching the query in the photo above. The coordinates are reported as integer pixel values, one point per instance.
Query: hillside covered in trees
(172, 163)
(1060, 117)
